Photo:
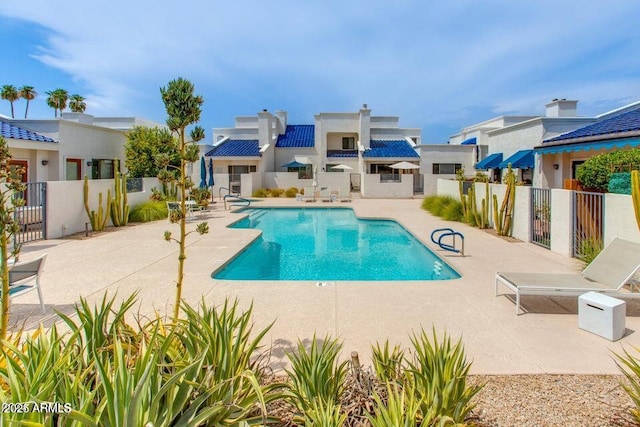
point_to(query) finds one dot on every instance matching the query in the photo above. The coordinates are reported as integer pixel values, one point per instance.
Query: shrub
(291, 192)
(620, 183)
(260, 192)
(276, 192)
(445, 207)
(594, 173)
(630, 367)
(148, 211)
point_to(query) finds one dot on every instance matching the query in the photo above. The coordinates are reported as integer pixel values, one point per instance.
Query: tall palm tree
(28, 93)
(77, 104)
(10, 93)
(57, 100)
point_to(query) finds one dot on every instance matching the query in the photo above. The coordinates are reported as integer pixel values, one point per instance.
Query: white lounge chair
(310, 194)
(618, 262)
(24, 276)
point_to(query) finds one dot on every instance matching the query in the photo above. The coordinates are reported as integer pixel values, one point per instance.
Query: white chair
(24, 276)
(608, 273)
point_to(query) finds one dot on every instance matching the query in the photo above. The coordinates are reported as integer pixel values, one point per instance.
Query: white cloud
(423, 61)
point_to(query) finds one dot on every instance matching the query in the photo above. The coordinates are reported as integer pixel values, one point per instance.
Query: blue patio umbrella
(211, 181)
(294, 164)
(203, 173)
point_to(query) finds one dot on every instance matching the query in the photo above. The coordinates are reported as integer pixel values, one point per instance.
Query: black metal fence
(541, 217)
(32, 217)
(588, 223)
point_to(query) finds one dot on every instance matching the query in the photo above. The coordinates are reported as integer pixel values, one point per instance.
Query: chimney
(562, 108)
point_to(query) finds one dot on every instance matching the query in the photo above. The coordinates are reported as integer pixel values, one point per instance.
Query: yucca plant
(324, 414)
(630, 367)
(387, 362)
(400, 409)
(438, 374)
(316, 374)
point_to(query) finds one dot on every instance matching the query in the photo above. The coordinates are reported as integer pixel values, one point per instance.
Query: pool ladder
(448, 232)
(236, 201)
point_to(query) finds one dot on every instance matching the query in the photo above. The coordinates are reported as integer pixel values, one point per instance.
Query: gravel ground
(552, 400)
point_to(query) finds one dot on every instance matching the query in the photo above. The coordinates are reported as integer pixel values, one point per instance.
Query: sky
(438, 65)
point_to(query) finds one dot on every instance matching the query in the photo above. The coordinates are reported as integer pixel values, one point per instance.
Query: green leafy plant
(147, 149)
(201, 196)
(445, 207)
(183, 109)
(260, 192)
(630, 367)
(589, 247)
(438, 375)
(148, 211)
(316, 374)
(399, 409)
(324, 414)
(387, 362)
(276, 192)
(291, 192)
(11, 194)
(594, 173)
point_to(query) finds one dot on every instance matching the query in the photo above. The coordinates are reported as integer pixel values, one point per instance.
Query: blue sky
(440, 66)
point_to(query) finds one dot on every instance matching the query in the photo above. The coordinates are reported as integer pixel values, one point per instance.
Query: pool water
(330, 244)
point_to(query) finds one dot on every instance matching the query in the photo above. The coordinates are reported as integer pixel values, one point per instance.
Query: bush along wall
(595, 173)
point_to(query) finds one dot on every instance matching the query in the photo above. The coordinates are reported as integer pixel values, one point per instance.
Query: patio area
(546, 339)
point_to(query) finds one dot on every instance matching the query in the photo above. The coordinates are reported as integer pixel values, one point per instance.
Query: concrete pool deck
(546, 339)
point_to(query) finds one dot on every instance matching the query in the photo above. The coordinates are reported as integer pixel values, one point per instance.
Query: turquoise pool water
(330, 244)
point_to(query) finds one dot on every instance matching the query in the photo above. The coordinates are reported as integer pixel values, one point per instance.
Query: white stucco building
(265, 151)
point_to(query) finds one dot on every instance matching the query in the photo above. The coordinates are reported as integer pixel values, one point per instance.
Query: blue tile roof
(625, 122)
(398, 148)
(8, 130)
(342, 153)
(297, 136)
(236, 148)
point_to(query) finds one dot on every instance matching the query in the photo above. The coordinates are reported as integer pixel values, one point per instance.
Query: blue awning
(469, 141)
(490, 162)
(596, 145)
(523, 159)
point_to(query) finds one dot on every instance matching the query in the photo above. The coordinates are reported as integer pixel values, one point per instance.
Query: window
(348, 143)
(446, 168)
(104, 168)
(73, 169)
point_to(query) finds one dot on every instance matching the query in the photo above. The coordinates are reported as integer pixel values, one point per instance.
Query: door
(73, 169)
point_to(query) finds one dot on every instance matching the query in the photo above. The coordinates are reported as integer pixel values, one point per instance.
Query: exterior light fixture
(45, 162)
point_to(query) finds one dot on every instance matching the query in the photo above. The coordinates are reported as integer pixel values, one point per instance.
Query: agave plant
(387, 362)
(400, 409)
(316, 374)
(324, 414)
(438, 375)
(630, 367)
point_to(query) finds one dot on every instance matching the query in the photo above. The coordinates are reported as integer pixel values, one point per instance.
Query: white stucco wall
(619, 218)
(561, 222)
(444, 153)
(374, 189)
(65, 203)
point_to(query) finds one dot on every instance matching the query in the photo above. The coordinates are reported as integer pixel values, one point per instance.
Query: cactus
(474, 216)
(463, 199)
(503, 219)
(119, 206)
(635, 194)
(97, 219)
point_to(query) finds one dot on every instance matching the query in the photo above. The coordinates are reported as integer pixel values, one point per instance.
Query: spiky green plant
(503, 218)
(98, 219)
(119, 204)
(630, 367)
(316, 373)
(148, 211)
(387, 362)
(438, 375)
(324, 414)
(399, 409)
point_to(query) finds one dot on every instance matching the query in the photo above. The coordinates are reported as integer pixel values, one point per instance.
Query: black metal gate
(588, 223)
(32, 217)
(541, 217)
(418, 183)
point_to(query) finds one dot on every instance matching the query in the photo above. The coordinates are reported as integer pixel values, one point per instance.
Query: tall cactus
(97, 219)
(503, 219)
(120, 206)
(635, 194)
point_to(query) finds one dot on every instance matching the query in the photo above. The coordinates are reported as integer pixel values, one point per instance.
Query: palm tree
(57, 100)
(77, 104)
(10, 93)
(28, 93)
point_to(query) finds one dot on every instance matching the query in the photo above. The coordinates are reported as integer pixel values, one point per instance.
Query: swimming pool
(330, 244)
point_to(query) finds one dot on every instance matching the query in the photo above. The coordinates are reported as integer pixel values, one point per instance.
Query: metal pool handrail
(446, 232)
